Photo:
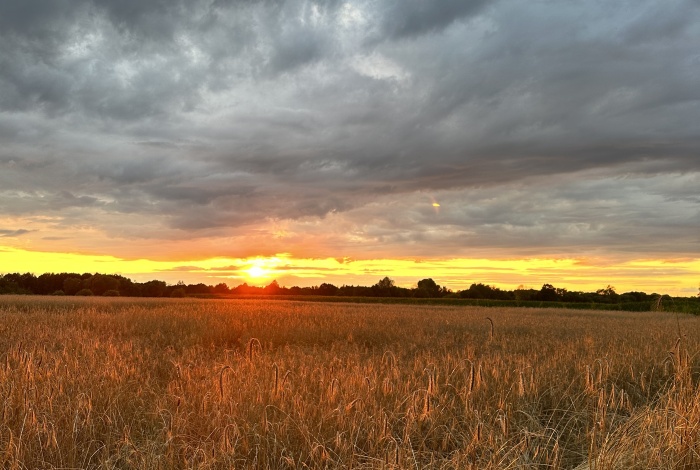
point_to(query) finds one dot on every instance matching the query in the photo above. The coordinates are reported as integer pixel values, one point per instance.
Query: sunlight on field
(123, 383)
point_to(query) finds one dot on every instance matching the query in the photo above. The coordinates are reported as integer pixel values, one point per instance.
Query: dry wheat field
(167, 384)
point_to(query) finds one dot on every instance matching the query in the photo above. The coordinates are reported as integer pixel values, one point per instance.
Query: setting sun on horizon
(257, 272)
(261, 269)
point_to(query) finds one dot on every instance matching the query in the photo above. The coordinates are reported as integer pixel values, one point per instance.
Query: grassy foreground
(120, 383)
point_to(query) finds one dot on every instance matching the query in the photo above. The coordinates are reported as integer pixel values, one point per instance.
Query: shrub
(111, 293)
(84, 292)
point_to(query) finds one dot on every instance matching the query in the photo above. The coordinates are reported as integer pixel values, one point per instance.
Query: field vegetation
(187, 383)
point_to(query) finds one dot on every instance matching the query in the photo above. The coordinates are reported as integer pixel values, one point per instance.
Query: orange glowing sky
(342, 142)
(675, 277)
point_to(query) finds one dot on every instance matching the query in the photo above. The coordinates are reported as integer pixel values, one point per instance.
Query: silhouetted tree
(521, 293)
(48, 283)
(9, 286)
(272, 289)
(610, 290)
(245, 289)
(72, 284)
(197, 289)
(608, 294)
(548, 293)
(100, 283)
(428, 288)
(483, 291)
(384, 288)
(327, 289)
(153, 288)
(127, 287)
(177, 292)
(221, 288)
(635, 296)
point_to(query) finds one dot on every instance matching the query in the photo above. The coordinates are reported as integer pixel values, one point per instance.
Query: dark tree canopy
(116, 285)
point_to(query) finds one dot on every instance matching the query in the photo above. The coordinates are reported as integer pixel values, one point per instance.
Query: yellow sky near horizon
(675, 277)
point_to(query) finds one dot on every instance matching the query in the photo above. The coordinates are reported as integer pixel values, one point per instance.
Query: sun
(261, 268)
(257, 272)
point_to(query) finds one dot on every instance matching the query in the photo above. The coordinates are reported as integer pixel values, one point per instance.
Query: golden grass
(119, 383)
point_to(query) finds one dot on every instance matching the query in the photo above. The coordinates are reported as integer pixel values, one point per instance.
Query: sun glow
(262, 268)
(257, 272)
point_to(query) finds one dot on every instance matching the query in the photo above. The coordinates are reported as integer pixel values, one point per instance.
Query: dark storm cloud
(157, 19)
(220, 114)
(54, 20)
(37, 19)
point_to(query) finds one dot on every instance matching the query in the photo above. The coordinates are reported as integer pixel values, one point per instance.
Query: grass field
(123, 383)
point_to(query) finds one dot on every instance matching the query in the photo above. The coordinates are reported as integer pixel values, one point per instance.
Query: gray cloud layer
(207, 116)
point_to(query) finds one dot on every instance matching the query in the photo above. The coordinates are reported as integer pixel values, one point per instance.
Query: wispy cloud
(4, 233)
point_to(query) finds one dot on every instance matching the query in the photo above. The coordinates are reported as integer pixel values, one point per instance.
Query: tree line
(89, 284)
(80, 284)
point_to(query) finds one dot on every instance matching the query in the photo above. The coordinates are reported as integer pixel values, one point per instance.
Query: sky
(504, 142)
